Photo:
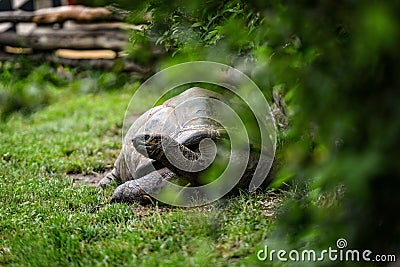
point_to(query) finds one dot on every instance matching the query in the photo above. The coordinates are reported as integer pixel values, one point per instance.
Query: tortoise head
(149, 145)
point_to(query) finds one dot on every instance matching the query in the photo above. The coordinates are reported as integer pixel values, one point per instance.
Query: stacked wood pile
(71, 35)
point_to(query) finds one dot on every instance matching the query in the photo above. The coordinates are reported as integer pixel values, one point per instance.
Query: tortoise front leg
(138, 190)
(119, 174)
(109, 179)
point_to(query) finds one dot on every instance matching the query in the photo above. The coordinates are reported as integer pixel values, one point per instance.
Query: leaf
(197, 24)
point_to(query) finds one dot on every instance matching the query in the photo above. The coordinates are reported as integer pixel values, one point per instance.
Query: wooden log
(60, 14)
(86, 54)
(16, 16)
(100, 26)
(77, 13)
(49, 39)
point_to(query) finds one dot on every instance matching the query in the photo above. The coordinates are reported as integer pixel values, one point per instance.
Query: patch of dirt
(91, 179)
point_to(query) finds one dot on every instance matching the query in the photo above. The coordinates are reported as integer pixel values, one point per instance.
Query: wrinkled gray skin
(142, 167)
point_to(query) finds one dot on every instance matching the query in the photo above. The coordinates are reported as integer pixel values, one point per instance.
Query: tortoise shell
(187, 123)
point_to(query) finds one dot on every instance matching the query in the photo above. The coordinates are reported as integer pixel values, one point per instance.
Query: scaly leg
(138, 190)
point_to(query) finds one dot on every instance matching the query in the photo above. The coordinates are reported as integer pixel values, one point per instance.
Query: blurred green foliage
(336, 65)
(28, 94)
(26, 88)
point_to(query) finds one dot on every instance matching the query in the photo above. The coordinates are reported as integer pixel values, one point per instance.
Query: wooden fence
(71, 35)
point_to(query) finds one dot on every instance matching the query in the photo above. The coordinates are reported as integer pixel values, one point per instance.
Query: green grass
(46, 220)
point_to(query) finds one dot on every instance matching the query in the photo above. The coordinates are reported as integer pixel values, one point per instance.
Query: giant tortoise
(144, 167)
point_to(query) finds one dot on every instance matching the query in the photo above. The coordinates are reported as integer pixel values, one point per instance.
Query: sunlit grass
(46, 220)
